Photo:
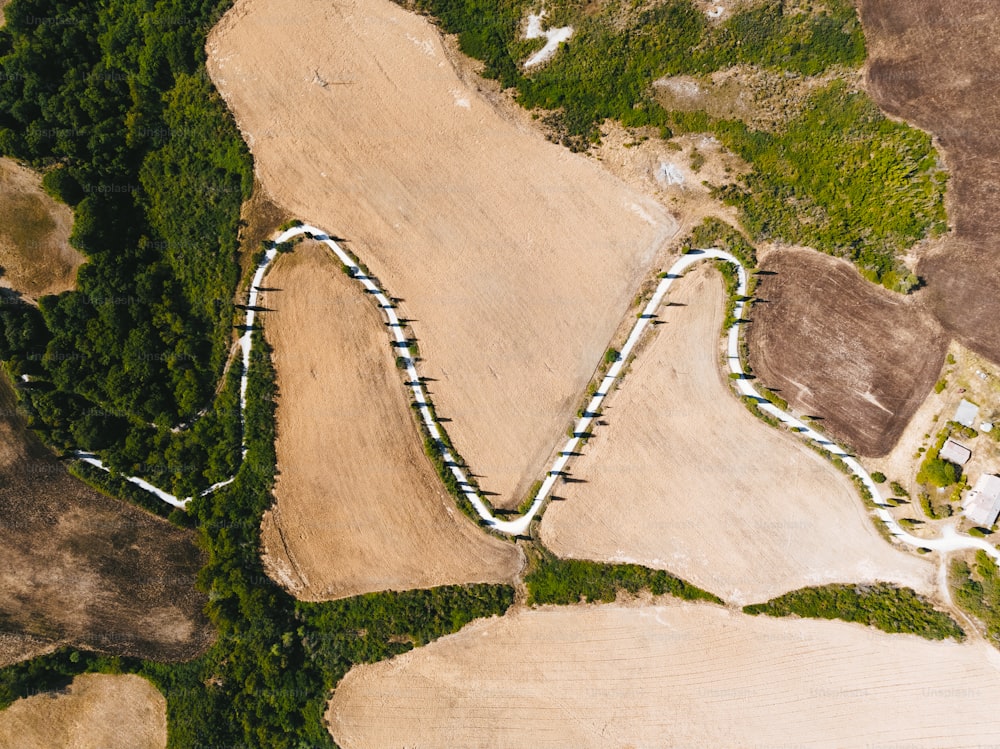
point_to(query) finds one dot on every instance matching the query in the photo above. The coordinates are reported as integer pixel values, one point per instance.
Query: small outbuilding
(966, 413)
(955, 452)
(982, 504)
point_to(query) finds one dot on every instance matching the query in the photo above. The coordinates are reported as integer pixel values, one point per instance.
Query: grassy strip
(880, 605)
(568, 581)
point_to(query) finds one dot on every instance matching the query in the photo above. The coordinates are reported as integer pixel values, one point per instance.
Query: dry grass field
(836, 346)
(79, 567)
(34, 235)
(97, 711)
(684, 478)
(935, 65)
(516, 258)
(676, 675)
(359, 506)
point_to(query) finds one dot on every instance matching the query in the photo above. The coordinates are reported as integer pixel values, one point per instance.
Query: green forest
(111, 101)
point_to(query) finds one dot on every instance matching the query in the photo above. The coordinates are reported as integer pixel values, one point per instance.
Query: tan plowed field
(35, 253)
(516, 258)
(359, 506)
(684, 478)
(680, 675)
(97, 711)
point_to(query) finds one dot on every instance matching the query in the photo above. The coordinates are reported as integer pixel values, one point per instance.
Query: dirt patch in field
(515, 258)
(359, 506)
(836, 346)
(34, 235)
(97, 711)
(259, 220)
(77, 567)
(684, 478)
(935, 66)
(764, 99)
(675, 675)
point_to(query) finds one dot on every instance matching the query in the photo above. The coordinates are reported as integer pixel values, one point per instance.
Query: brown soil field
(97, 711)
(835, 346)
(675, 675)
(82, 568)
(684, 478)
(34, 235)
(935, 65)
(359, 507)
(515, 258)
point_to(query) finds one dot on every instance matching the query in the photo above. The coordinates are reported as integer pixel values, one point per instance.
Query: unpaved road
(491, 235)
(358, 505)
(685, 479)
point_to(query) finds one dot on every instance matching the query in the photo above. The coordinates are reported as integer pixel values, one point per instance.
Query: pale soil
(684, 478)
(675, 675)
(515, 258)
(359, 506)
(97, 711)
(34, 235)
(639, 161)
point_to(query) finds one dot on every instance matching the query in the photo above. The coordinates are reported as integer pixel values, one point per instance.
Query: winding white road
(949, 540)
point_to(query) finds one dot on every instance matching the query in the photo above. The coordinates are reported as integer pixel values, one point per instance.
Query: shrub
(568, 581)
(938, 472)
(881, 605)
(878, 477)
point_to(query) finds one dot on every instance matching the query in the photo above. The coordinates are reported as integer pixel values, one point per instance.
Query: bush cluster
(881, 605)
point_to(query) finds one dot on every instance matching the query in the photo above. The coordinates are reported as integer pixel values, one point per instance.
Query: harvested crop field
(684, 478)
(675, 675)
(836, 346)
(81, 568)
(359, 507)
(935, 65)
(515, 258)
(35, 254)
(97, 711)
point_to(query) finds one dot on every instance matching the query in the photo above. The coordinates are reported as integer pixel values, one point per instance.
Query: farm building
(982, 504)
(955, 452)
(966, 413)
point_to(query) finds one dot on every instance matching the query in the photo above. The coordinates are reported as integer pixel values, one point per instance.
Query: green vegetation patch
(266, 680)
(881, 605)
(977, 591)
(112, 101)
(568, 581)
(842, 178)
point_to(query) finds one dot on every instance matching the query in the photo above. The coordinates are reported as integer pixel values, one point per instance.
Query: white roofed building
(955, 452)
(966, 413)
(982, 504)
